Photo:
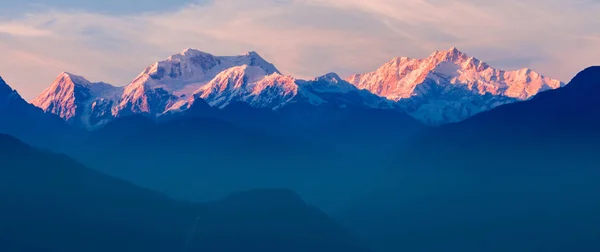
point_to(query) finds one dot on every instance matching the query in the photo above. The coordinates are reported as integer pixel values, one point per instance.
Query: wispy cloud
(17, 29)
(302, 37)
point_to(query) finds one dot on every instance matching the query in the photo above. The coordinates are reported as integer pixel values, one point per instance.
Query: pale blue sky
(17, 7)
(113, 40)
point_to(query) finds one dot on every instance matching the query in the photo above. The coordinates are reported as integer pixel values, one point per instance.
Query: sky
(114, 40)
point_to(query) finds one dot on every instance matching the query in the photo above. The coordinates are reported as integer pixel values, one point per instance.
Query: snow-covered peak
(453, 52)
(61, 97)
(96, 88)
(245, 73)
(69, 93)
(65, 77)
(452, 80)
(171, 83)
(185, 72)
(191, 52)
(450, 56)
(330, 77)
(191, 64)
(246, 83)
(330, 82)
(231, 80)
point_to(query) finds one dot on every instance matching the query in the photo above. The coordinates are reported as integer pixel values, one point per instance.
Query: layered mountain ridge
(448, 86)
(50, 198)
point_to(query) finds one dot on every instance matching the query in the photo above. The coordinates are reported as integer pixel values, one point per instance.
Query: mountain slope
(520, 177)
(27, 122)
(449, 86)
(51, 203)
(77, 100)
(247, 84)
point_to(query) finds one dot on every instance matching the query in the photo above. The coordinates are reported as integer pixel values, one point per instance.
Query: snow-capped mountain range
(446, 87)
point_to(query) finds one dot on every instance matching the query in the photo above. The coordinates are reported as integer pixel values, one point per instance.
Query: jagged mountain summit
(184, 73)
(450, 86)
(166, 83)
(74, 98)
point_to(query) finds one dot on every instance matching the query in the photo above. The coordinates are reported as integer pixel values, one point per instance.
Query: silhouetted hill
(520, 177)
(288, 217)
(52, 203)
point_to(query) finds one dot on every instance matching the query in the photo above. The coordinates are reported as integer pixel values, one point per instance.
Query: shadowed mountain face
(288, 217)
(521, 177)
(27, 122)
(51, 203)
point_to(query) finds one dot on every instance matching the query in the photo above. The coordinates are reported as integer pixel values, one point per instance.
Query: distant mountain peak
(449, 86)
(452, 54)
(451, 51)
(247, 83)
(330, 77)
(331, 82)
(69, 78)
(68, 96)
(196, 67)
(193, 51)
(63, 96)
